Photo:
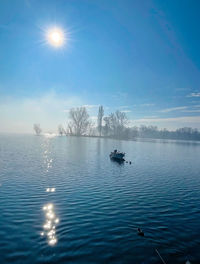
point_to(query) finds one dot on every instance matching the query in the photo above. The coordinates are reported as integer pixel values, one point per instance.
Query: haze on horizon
(140, 57)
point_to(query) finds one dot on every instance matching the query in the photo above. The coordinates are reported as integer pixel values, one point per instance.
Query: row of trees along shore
(116, 125)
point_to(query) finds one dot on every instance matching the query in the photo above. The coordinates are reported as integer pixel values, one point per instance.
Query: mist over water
(62, 200)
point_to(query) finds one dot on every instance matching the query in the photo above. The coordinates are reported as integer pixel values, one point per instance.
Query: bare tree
(115, 124)
(99, 120)
(79, 121)
(106, 127)
(61, 130)
(37, 129)
(121, 118)
(91, 129)
(121, 122)
(70, 128)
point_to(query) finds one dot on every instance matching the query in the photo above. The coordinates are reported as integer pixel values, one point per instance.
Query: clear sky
(141, 57)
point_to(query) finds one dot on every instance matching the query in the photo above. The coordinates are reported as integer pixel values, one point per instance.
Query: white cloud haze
(50, 110)
(167, 110)
(19, 115)
(194, 94)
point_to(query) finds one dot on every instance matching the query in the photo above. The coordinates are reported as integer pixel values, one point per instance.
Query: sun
(56, 37)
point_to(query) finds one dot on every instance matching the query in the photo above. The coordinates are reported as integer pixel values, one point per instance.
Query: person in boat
(140, 232)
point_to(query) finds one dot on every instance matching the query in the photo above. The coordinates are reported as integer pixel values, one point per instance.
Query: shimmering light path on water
(63, 201)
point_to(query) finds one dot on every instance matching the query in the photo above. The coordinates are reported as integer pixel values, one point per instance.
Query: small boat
(116, 155)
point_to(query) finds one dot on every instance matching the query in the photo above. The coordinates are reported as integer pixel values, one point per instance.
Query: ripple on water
(100, 203)
(49, 227)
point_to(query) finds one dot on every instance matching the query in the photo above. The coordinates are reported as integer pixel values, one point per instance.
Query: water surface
(63, 201)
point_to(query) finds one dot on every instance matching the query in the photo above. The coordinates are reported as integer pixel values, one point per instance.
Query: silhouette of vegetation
(79, 121)
(116, 125)
(61, 130)
(185, 133)
(100, 119)
(37, 129)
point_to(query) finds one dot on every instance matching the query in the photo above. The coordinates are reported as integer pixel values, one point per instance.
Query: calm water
(63, 201)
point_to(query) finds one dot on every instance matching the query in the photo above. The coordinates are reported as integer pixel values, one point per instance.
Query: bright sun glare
(56, 37)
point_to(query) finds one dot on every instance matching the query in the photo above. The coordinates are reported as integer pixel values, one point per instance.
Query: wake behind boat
(118, 156)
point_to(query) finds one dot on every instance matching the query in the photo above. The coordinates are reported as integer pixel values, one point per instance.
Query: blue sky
(141, 57)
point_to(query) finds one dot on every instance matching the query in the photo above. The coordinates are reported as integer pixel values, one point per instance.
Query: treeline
(116, 125)
(185, 133)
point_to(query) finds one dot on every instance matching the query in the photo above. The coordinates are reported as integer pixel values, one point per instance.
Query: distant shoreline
(139, 139)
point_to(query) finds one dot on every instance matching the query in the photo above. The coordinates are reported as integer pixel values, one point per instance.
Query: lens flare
(56, 37)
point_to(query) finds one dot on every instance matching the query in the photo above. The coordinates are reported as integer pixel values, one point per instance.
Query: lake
(62, 200)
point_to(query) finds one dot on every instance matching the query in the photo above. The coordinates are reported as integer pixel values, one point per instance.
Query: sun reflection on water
(47, 158)
(50, 224)
(50, 189)
(51, 220)
(49, 135)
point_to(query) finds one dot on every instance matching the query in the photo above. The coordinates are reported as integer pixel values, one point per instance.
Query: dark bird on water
(140, 232)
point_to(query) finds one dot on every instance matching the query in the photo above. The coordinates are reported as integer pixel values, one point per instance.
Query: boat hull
(117, 156)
